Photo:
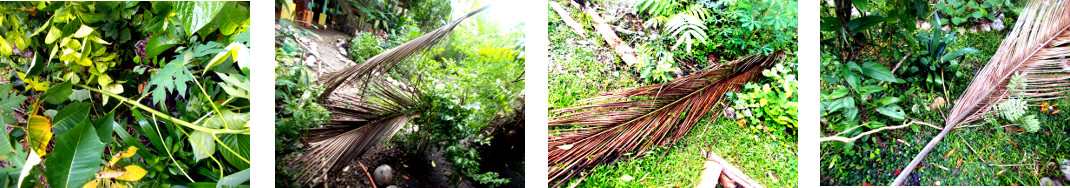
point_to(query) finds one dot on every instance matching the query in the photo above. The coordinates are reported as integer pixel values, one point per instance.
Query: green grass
(576, 73)
(681, 165)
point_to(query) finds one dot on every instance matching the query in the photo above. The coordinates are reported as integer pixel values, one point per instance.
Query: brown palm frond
(387, 60)
(358, 123)
(1037, 48)
(615, 124)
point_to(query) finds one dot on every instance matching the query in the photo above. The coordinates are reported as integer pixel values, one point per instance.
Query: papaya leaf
(76, 157)
(233, 180)
(172, 77)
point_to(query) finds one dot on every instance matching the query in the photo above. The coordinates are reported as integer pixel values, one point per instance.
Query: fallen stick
(626, 53)
(733, 173)
(567, 18)
(366, 173)
(710, 175)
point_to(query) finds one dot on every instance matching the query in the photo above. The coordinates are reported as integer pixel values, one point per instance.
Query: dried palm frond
(1036, 48)
(387, 60)
(358, 123)
(631, 121)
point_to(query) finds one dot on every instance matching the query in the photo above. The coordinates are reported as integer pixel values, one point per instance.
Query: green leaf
(104, 126)
(58, 93)
(53, 34)
(958, 53)
(877, 71)
(893, 111)
(76, 158)
(235, 84)
(70, 116)
(79, 95)
(172, 77)
(157, 44)
(240, 144)
(888, 100)
(83, 31)
(196, 14)
(203, 145)
(842, 91)
(863, 23)
(233, 180)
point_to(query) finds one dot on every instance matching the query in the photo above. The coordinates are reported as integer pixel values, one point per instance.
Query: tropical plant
(162, 85)
(631, 121)
(681, 20)
(934, 60)
(772, 106)
(364, 46)
(753, 27)
(1031, 49)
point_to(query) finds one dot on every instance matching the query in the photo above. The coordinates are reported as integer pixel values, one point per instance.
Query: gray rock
(384, 175)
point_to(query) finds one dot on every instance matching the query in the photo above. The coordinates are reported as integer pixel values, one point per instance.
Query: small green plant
(934, 63)
(364, 46)
(659, 67)
(771, 106)
(857, 97)
(1015, 110)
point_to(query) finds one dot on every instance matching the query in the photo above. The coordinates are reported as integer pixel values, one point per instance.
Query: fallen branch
(859, 136)
(626, 53)
(567, 18)
(366, 173)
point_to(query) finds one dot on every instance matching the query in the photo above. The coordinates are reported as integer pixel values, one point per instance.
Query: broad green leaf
(240, 144)
(203, 145)
(58, 93)
(958, 53)
(893, 111)
(76, 158)
(233, 180)
(157, 44)
(5, 47)
(877, 71)
(53, 35)
(195, 14)
(70, 116)
(39, 130)
(863, 23)
(888, 100)
(103, 126)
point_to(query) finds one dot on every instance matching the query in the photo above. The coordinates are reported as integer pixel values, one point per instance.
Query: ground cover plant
(675, 41)
(121, 94)
(446, 103)
(877, 113)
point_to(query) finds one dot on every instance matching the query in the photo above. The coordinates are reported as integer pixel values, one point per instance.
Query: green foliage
(846, 106)
(967, 12)
(935, 61)
(771, 106)
(70, 58)
(364, 46)
(753, 27)
(658, 67)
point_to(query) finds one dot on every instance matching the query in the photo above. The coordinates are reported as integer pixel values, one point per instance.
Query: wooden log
(567, 18)
(733, 172)
(711, 174)
(626, 53)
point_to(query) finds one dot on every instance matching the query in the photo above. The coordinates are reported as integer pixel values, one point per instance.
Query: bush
(365, 45)
(772, 105)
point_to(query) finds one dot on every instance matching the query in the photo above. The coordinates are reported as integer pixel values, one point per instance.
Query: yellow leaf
(40, 129)
(133, 173)
(130, 151)
(93, 183)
